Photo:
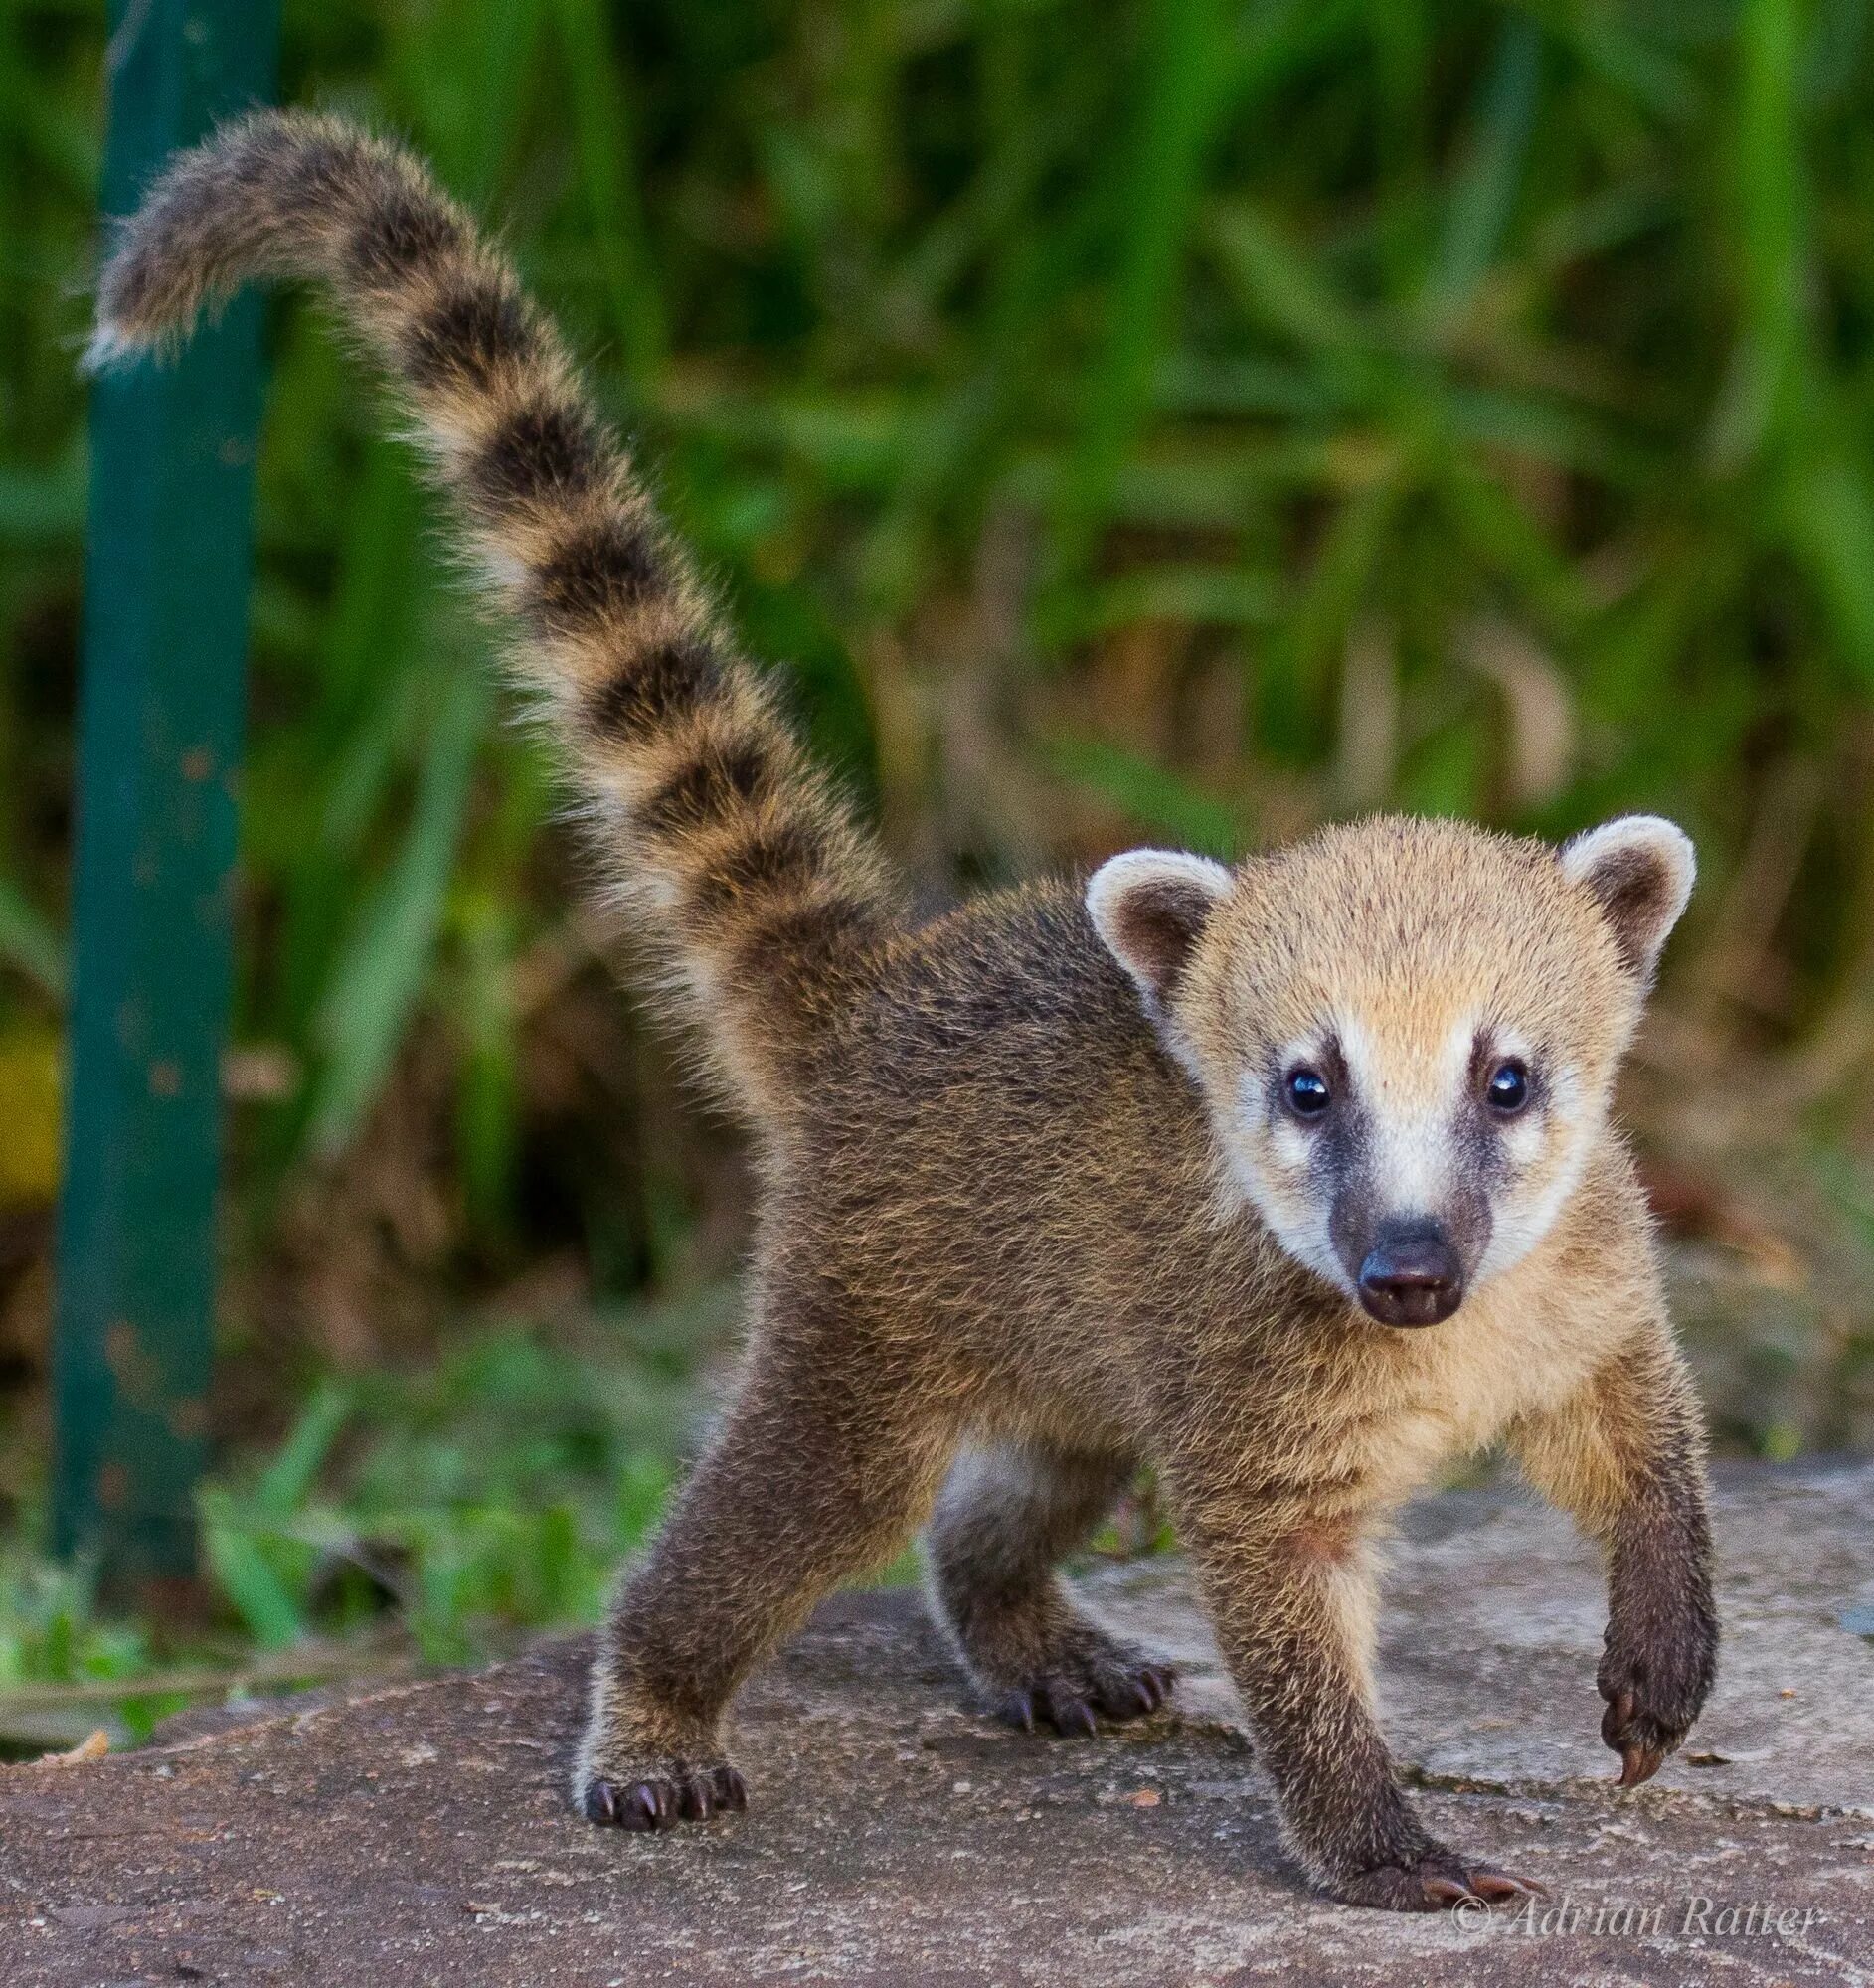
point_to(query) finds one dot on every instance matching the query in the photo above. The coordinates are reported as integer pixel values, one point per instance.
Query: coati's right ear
(1149, 906)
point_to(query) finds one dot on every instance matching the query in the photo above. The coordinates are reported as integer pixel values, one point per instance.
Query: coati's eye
(1508, 1088)
(1306, 1092)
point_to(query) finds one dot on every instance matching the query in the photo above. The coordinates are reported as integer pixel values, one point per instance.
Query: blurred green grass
(402, 1521)
(1185, 420)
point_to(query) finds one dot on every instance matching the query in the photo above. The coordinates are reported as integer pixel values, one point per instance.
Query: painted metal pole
(159, 739)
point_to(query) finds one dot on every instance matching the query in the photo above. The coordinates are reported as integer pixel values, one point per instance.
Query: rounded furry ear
(1639, 869)
(1149, 906)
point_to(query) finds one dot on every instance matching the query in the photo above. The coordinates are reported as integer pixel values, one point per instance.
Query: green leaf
(1829, 516)
(1483, 190)
(260, 1597)
(1770, 185)
(1277, 285)
(30, 942)
(1194, 593)
(286, 1480)
(1183, 70)
(1155, 797)
(600, 118)
(380, 971)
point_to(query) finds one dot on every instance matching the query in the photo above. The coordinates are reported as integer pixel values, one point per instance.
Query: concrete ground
(420, 1833)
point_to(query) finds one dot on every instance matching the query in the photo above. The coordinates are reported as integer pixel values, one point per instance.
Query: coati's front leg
(825, 1466)
(1626, 1455)
(1007, 1515)
(1290, 1595)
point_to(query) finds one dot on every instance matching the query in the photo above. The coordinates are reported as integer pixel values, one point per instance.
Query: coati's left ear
(1639, 867)
(1149, 906)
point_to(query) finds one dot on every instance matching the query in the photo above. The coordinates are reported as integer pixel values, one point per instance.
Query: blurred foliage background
(1184, 421)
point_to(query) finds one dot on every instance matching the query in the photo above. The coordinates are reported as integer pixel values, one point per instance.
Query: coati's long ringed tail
(767, 901)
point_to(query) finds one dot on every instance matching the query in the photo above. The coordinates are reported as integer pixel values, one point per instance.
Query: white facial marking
(1413, 1107)
(1302, 1229)
(1569, 1121)
(1409, 1108)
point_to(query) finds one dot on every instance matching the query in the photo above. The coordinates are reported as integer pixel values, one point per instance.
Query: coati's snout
(1381, 1159)
(1407, 1032)
(1412, 1275)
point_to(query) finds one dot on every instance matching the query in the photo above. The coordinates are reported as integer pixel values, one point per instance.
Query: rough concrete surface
(421, 1834)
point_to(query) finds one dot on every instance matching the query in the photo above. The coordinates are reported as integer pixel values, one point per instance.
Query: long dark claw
(1492, 1884)
(1639, 1763)
(662, 1803)
(1447, 1891)
(1125, 1699)
(1073, 1717)
(1018, 1710)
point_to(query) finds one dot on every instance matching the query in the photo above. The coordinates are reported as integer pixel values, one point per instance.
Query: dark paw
(1654, 1696)
(1121, 1691)
(1434, 1882)
(661, 1800)
(1641, 1740)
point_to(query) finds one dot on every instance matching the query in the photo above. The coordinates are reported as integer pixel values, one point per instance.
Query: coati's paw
(1655, 1692)
(1103, 1676)
(1433, 1882)
(1640, 1735)
(660, 1793)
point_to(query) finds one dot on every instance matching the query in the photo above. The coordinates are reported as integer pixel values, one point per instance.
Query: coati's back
(1003, 1155)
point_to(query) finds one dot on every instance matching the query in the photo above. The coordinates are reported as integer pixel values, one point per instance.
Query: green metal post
(159, 740)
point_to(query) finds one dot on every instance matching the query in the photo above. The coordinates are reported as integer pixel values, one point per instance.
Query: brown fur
(765, 900)
(1025, 1191)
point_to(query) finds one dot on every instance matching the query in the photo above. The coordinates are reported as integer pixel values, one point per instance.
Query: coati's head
(1406, 1030)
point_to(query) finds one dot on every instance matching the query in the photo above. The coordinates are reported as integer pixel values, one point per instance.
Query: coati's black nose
(1411, 1277)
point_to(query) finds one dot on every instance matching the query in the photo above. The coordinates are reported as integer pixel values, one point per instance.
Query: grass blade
(380, 973)
(30, 942)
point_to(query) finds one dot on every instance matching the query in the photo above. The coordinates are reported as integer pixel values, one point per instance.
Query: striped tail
(766, 908)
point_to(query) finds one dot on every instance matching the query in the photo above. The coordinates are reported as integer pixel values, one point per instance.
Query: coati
(1295, 1179)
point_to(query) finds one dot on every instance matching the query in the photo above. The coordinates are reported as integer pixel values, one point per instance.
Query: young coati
(1295, 1179)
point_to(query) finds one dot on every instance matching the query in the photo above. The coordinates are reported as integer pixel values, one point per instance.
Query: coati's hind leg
(809, 1480)
(1007, 1515)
